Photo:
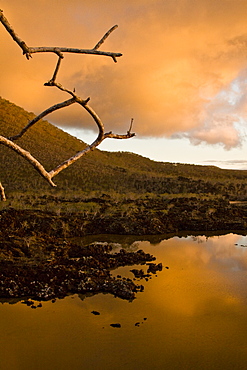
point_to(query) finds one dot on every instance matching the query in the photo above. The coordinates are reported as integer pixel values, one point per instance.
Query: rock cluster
(88, 271)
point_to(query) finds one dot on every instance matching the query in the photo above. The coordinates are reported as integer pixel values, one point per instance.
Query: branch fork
(59, 51)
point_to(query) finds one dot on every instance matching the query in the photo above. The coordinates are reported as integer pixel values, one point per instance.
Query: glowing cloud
(183, 70)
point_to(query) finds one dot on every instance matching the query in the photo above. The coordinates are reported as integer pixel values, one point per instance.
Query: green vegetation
(124, 173)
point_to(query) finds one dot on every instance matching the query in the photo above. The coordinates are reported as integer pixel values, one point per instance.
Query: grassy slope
(99, 170)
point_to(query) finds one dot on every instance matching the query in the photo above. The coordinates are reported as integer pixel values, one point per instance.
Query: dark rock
(51, 278)
(138, 273)
(28, 303)
(115, 325)
(153, 267)
(95, 313)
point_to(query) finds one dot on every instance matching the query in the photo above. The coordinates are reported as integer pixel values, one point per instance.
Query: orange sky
(183, 72)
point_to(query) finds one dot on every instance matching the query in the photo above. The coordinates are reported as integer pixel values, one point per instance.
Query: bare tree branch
(25, 154)
(101, 136)
(55, 107)
(131, 124)
(56, 69)
(54, 49)
(2, 193)
(15, 37)
(75, 99)
(105, 37)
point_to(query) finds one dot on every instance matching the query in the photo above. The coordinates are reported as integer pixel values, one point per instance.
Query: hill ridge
(101, 170)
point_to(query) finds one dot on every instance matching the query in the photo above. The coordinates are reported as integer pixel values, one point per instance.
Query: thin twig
(60, 87)
(131, 124)
(105, 37)
(57, 50)
(55, 107)
(3, 197)
(15, 37)
(56, 69)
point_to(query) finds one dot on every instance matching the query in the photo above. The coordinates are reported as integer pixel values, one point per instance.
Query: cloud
(230, 164)
(223, 118)
(182, 74)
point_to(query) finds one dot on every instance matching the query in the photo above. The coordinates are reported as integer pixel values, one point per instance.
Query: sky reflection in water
(195, 315)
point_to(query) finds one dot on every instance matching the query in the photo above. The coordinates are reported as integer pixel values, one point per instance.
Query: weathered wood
(28, 51)
(13, 34)
(2, 193)
(55, 107)
(54, 49)
(25, 154)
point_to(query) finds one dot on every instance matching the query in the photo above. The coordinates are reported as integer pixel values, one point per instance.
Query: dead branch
(27, 51)
(56, 69)
(101, 136)
(55, 107)
(13, 34)
(2, 193)
(131, 124)
(25, 154)
(58, 50)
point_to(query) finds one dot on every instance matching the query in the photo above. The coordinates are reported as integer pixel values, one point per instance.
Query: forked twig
(28, 51)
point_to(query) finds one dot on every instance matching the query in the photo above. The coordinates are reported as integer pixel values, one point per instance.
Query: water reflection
(192, 316)
(203, 272)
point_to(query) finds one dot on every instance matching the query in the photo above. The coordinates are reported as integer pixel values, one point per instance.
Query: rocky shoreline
(39, 261)
(89, 272)
(143, 217)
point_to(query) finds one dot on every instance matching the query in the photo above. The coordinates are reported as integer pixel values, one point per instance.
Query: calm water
(192, 316)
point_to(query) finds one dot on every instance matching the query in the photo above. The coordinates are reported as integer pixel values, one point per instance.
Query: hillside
(121, 172)
(103, 193)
